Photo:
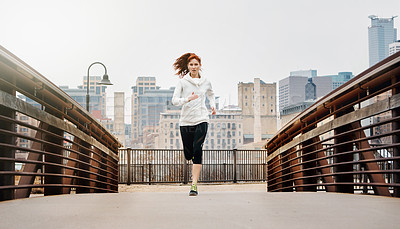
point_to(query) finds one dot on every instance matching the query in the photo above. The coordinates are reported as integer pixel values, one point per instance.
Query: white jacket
(195, 111)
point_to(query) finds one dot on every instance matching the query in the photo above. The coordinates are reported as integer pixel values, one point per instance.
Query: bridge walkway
(211, 209)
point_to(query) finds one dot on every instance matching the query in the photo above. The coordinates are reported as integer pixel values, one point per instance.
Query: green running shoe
(193, 190)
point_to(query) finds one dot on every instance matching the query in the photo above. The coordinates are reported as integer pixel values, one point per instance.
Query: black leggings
(193, 138)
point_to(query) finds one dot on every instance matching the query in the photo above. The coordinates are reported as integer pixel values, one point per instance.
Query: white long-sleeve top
(195, 111)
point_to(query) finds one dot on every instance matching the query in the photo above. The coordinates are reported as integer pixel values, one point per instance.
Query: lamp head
(105, 80)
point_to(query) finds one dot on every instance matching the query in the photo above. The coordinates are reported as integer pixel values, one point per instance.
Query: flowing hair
(181, 64)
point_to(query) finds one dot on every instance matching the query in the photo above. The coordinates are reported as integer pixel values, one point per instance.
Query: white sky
(237, 40)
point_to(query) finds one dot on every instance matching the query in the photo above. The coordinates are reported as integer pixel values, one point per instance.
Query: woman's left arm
(211, 97)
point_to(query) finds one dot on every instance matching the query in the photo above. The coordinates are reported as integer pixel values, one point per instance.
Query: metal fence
(346, 142)
(169, 166)
(50, 143)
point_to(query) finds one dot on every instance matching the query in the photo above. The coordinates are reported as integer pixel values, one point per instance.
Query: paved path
(211, 209)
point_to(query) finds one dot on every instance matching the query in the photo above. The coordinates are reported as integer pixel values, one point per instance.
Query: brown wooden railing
(169, 166)
(48, 141)
(347, 142)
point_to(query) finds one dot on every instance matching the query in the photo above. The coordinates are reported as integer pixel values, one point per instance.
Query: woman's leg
(199, 137)
(196, 173)
(187, 135)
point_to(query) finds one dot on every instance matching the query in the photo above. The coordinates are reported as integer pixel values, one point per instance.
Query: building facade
(292, 89)
(257, 100)
(143, 84)
(394, 47)
(225, 130)
(381, 33)
(119, 116)
(97, 98)
(302, 88)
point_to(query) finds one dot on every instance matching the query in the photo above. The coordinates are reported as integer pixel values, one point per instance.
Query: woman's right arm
(176, 98)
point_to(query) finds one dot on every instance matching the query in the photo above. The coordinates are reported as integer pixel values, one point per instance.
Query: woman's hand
(192, 97)
(213, 111)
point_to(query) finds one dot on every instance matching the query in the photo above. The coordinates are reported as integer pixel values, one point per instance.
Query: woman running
(190, 93)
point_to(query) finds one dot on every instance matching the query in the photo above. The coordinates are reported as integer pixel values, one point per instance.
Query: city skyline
(238, 40)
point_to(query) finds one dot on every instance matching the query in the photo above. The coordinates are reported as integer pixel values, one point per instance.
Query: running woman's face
(194, 67)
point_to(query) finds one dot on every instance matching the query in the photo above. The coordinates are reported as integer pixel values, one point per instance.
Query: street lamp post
(104, 81)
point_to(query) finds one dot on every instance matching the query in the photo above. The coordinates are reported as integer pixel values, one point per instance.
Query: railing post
(185, 172)
(149, 173)
(7, 152)
(234, 166)
(396, 139)
(264, 172)
(128, 163)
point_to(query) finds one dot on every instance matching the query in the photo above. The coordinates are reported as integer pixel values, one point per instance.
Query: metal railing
(169, 166)
(346, 142)
(50, 143)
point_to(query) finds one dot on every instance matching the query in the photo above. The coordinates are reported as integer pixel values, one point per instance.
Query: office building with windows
(143, 83)
(381, 33)
(225, 130)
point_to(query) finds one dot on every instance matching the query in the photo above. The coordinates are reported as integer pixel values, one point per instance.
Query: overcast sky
(237, 40)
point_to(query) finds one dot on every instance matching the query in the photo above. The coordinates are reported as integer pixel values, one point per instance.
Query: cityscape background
(266, 61)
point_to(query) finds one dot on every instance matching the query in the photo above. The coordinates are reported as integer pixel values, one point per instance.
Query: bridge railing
(47, 140)
(346, 142)
(169, 166)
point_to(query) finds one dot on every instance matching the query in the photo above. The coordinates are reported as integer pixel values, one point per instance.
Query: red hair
(181, 64)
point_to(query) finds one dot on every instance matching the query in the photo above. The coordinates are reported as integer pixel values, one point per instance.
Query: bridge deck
(211, 209)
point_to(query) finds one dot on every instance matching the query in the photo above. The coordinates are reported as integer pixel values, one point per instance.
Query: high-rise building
(258, 104)
(302, 88)
(307, 73)
(98, 92)
(142, 84)
(292, 89)
(150, 105)
(394, 47)
(339, 79)
(381, 33)
(79, 95)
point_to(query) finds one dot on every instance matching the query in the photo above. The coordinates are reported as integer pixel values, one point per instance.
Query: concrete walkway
(211, 209)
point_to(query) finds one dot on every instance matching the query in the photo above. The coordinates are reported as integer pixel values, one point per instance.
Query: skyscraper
(381, 33)
(292, 89)
(142, 84)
